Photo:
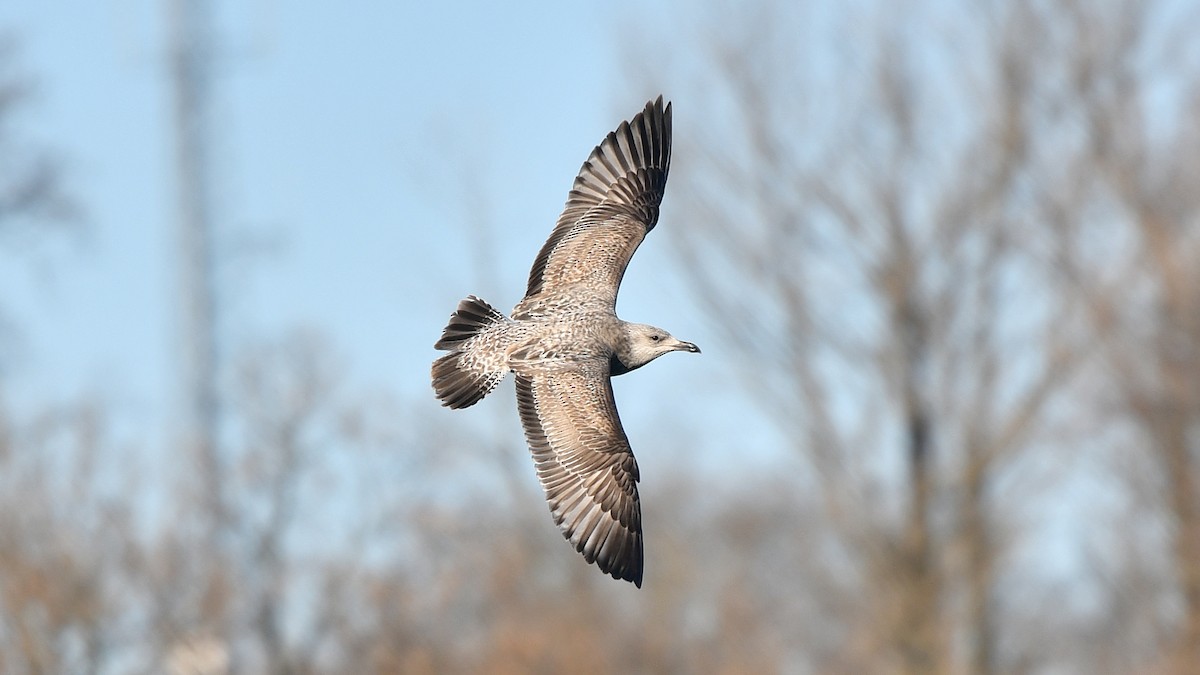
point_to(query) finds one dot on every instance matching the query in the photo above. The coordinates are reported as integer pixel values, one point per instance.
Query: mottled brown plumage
(564, 342)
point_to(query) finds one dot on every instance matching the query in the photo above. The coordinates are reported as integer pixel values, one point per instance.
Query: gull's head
(646, 343)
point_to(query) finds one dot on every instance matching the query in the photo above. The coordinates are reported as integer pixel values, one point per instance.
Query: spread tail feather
(465, 375)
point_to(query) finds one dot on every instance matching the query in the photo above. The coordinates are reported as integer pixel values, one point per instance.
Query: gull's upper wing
(612, 205)
(584, 462)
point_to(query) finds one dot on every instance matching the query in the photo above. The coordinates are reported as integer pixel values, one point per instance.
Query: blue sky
(353, 144)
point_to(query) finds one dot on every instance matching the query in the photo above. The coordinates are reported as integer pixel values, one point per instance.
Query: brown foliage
(966, 256)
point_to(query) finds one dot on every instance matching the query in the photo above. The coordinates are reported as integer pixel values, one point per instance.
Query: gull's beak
(687, 347)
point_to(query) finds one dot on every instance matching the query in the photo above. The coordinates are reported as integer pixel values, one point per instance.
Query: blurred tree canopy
(955, 253)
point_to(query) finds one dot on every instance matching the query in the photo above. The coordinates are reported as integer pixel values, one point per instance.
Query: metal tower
(191, 56)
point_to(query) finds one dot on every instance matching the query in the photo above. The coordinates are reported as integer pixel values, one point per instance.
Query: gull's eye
(656, 338)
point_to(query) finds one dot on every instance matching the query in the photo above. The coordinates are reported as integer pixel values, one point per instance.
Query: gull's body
(564, 341)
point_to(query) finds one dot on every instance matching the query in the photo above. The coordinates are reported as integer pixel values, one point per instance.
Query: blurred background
(943, 260)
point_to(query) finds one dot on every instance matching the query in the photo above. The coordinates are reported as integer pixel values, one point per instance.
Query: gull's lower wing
(584, 463)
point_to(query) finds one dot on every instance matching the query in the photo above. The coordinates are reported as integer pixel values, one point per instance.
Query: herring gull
(564, 341)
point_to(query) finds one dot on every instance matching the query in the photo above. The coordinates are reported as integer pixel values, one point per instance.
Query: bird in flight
(564, 342)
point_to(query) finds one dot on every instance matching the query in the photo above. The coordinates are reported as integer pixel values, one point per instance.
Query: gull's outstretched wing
(585, 464)
(612, 205)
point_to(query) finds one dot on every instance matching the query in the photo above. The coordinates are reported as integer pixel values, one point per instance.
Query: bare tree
(1135, 94)
(33, 197)
(954, 253)
(54, 610)
(874, 200)
(32, 193)
(63, 539)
